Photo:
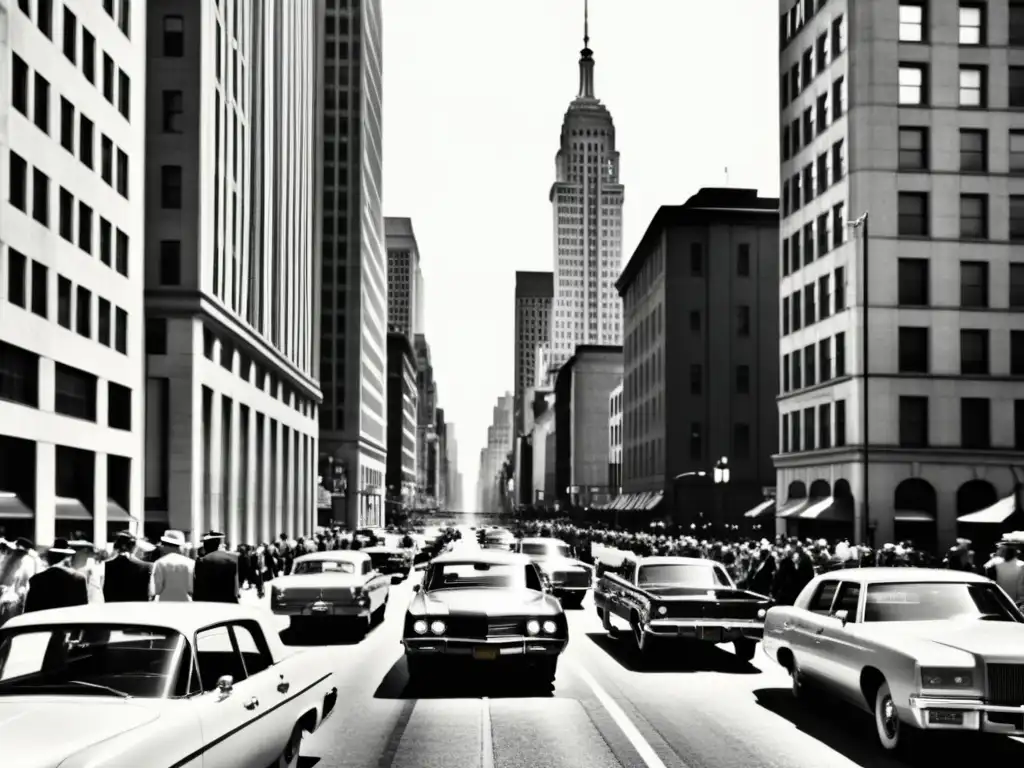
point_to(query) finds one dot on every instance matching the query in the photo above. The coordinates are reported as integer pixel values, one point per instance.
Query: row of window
(741, 382)
(814, 428)
(798, 15)
(111, 242)
(814, 60)
(814, 364)
(914, 212)
(817, 238)
(975, 351)
(975, 423)
(972, 19)
(812, 303)
(914, 284)
(814, 179)
(28, 288)
(973, 86)
(915, 150)
(815, 120)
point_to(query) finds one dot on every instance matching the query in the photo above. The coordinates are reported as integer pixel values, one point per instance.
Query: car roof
(381, 548)
(542, 540)
(902, 575)
(489, 556)
(336, 555)
(186, 618)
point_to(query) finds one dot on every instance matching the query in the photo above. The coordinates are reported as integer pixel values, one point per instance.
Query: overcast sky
(474, 96)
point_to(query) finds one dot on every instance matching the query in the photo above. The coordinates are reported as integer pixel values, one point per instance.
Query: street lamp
(698, 473)
(721, 471)
(862, 225)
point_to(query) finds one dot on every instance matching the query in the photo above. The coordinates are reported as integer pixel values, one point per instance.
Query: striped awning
(997, 514)
(792, 508)
(829, 509)
(654, 500)
(764, 508)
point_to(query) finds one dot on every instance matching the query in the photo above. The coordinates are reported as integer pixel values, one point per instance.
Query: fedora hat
(213, 536)
(60, 547)
(81, 544)
(174, 538)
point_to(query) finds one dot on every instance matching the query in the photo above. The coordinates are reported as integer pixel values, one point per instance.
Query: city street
(705, 711)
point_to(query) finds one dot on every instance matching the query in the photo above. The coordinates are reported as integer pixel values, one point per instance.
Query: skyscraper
(405, 280)
(231, 244)
(532, 329)
(587, 201)
(354, 299)
(426, 419)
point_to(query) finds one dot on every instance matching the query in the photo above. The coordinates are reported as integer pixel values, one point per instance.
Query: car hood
(28, 723)
(678, 592)
(560, 563)
(317, 581)
(482, 602)
(927, 639)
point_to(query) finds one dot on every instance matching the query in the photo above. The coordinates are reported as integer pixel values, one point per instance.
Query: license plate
(485, 654)
(321, 607)
(711, 634)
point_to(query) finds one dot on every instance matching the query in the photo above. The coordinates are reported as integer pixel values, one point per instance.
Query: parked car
(391, 560)
(918, 648)
(569, 578)
(486, 607)
(116, 684)
(496, 538)
(679, 599)
(339, 584)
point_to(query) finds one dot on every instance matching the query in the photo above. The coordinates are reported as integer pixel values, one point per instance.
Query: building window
(695, 320)
(838, 224)
(912, 84)
(912, 22)
(174, 37)
(124, 18)
(838, 161)
(810, 309)
(19, 375)
(40, 197)
(913, 152)
(19, 84)
(170, 187)
(170, 262)
(42, 103)
(122, 174)
(974, 284)
(912, 282)
(840, 354)
(838, 37)
(973, 217)
(70, 35)
(824, 426)
(1017, 24)
(121, 255)
(785, 374)
(742, 379)
(974, 355)
(913, 214)
(809, 429)
(1016, 93)
(743, 320)
(741, 441)
(119, 406)
(44, 19)
(17, 186)
(972, 24)
(797, 361)
(785, 315)
(1017, 217)
(696, 259)
(975, 423)
(85, 141)
(103, 323)
(973, 150)
(74, 392)
(121, 331)
(124, 95)
(824, 246)
(17, 274)
(1017, 285)
(696, 379)
(838, 98)
(88, 56)
(1017, 353)
(824, 360)
(64, 302)
(1018, 420)
(156, 336)
(743, 260)
(840, 422)
(794, 431)
(972, 86)
(840, 288)
(85, 227)
(40, 289)
(810, 374)
(67, 215)
(107, 160)
(913, 350)
(83, 312)
(1017, 150)
(696, 441)
(108, 78)
(173, 111)
(913, 422)
(67, 125)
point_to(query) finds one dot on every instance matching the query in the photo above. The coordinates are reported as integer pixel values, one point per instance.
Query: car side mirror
(225, 684)
(842, 616)
(415, 587)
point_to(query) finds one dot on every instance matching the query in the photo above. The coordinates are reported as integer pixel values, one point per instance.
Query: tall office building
(405, 280)
(928, 141)
(500, 435)
(354, 292)
(72, 147)
(454, 491)
(402, 413)
(231, 244)
(439, 462)
(586, 201)
(532, 329)
(426, 421)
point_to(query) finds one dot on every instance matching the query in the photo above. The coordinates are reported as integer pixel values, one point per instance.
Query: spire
(586, 58)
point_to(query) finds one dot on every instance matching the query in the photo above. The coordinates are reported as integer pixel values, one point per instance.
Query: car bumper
(321, 610)
(943, 714)
(490, 650)
(706, 630)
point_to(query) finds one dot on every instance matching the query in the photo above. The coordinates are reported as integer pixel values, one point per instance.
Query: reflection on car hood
(483, 602)
(677, 591)
(317, 580)
(986, 639)
(559, 563)
(43, 731)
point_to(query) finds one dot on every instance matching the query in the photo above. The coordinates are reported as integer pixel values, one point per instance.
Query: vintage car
(118, 684)
(496, 538)
(485, 607)
(921, 649)
(678, 598)
(569, 578)
(339, 584)
(391, 559)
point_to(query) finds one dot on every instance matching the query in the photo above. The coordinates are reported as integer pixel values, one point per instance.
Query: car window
(847, 599)
(323, 566)
(367, 567)
(252, 647)
(938, 601)
(216, 657)
(685, 574)
(822, 601)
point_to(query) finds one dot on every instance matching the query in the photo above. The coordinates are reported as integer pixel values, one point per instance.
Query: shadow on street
(850, 732)
(672, 657)
(334, 633)
(463, 682)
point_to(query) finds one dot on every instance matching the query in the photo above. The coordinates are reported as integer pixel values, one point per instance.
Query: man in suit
(173, 573)
(216, 572)
(59, 586)
(128, 579)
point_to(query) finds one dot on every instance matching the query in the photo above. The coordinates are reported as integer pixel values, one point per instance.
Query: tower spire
(586, 58)
(586, 23)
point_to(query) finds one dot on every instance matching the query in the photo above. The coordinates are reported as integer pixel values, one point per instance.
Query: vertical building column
(233, 512)
(99, 500)
(306, 521)
(277, 487)
(251, 529)
(46, 493)
(213, 517)
(263, 505)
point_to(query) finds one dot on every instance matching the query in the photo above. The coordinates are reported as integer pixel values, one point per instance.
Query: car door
(839, 651)
(804, 627)
(377, 585)
(234, 732)
(625, 597)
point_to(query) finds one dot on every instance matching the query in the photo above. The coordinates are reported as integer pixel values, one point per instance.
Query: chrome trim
(963, 705)
(657, 625)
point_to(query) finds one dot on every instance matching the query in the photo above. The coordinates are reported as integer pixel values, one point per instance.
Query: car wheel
(892, 732)
(290, 755)
(745, 649)
(641, 642)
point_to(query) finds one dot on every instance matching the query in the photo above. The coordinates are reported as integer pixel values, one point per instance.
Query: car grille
(1006, 684)
(576, 578)
(689, 609)
(312, 594)
(473, 627)
(504, 628)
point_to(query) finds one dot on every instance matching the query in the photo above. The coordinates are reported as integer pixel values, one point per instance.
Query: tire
(641, 643)
(289, 757)
(745, 649)
(893, 734)
(573, 600)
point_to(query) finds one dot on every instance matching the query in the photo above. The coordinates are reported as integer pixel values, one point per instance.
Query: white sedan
(205, 685)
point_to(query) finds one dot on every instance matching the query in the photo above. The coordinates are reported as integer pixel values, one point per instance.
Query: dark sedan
(487, 608)
(570, 578)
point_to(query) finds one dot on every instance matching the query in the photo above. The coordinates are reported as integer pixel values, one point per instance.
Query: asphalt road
(704, 711)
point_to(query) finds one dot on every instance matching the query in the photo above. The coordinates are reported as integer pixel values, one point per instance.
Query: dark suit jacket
(126, 579)
(56, 587)
(216, 578)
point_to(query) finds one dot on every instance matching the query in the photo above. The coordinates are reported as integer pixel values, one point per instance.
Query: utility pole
(862, 225)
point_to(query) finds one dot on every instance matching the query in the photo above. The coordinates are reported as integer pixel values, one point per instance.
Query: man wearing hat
(59, 586)
(216, 572)
(128, 579)
(173, 572)
(18, 567)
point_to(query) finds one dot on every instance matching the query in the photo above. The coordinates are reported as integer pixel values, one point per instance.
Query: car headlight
(662, 610)
(761, 613)
(419, 627)
(550, 627)
(438, 627)
(532, 627)
(947, 678)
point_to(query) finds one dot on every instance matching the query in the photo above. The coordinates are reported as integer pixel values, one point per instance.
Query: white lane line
(631, 732)
(486, 737)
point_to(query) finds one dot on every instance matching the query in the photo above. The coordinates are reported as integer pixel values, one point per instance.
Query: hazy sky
(474, 96)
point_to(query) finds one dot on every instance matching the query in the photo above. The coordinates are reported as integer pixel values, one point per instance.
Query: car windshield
(688, 575)
(379, 558)
(546, 549)
(323, 566)
(476, 575)
(936, 601)
(91, 660)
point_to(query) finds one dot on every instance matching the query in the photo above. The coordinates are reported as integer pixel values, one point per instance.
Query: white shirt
(173, 577)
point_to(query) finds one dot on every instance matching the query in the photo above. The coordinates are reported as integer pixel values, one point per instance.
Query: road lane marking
(387, 756)
(630, 731)
(486, 735)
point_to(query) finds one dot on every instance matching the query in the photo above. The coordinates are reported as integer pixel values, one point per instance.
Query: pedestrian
(60, 585)
(216, 572)
(173, 573)
(127, 579)
(86, 562)
(18, 567)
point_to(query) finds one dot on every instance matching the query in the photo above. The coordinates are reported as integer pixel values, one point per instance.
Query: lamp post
(675, 481)
(861, 224)
(721, 476)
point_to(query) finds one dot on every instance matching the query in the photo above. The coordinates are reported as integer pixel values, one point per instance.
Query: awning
(635, 500)
(118, 514)
(913, 516)
(655, 500)
(761, 509)
(66, 508)
(13, 508)
(996, 514)
(830, 510)
(791, 508)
